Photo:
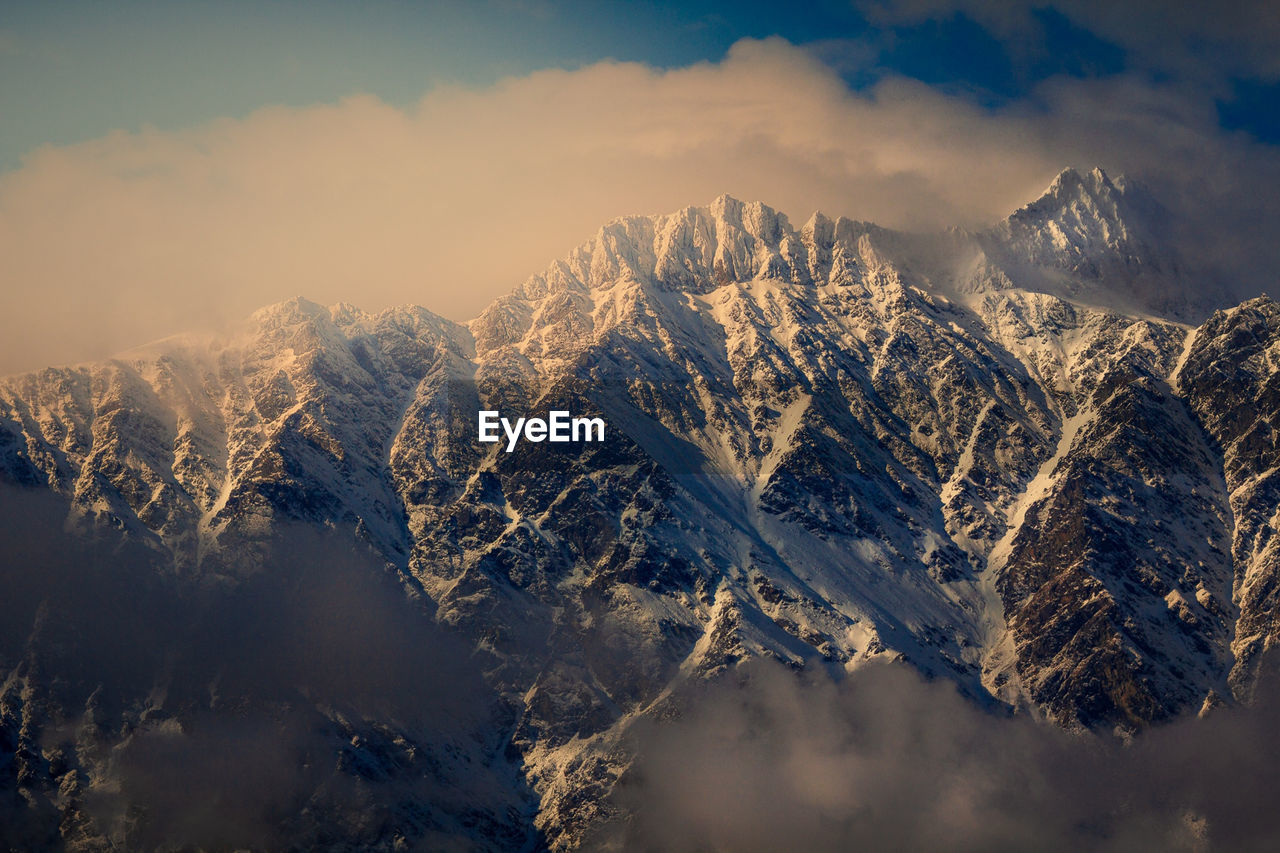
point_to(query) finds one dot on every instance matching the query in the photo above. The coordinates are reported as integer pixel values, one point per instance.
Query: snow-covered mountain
(1018, 459)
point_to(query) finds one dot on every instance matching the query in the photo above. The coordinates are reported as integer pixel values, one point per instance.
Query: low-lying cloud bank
(134, 236)
(882, 760)
(314, 703)
(311, 703)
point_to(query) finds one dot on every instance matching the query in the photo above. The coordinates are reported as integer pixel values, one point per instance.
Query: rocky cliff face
(1003, 458)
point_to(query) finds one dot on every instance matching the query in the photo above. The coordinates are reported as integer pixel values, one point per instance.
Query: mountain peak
(694, 249)
(725, 206)
(1078, 219)
(1102, 240)
(1092, 191)
(753, 217)
(289, 312)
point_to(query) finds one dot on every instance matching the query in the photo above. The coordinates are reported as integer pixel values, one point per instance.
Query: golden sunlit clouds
(134, 236)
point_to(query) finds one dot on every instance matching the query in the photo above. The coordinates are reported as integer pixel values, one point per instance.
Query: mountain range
(1039, 462)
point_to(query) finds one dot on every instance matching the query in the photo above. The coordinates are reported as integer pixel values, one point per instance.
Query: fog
(882, 760)
(158, 711)
(114, 242)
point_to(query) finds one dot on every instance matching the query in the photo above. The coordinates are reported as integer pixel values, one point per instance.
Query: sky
(171, 166)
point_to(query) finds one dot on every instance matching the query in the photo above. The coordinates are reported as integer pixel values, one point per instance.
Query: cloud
(168, 711)
(1201, 39)
(448, 204)
(882, 760)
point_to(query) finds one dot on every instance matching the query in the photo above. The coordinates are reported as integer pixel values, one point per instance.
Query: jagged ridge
(837, 443)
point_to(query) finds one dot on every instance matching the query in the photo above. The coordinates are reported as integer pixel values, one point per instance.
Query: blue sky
(72, 71)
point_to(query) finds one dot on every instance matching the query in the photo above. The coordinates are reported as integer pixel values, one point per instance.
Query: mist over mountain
(1026, 474)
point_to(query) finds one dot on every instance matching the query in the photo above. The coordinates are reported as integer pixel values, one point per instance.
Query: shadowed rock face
(1118, 590)
(823, 446)
(1231, 382)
